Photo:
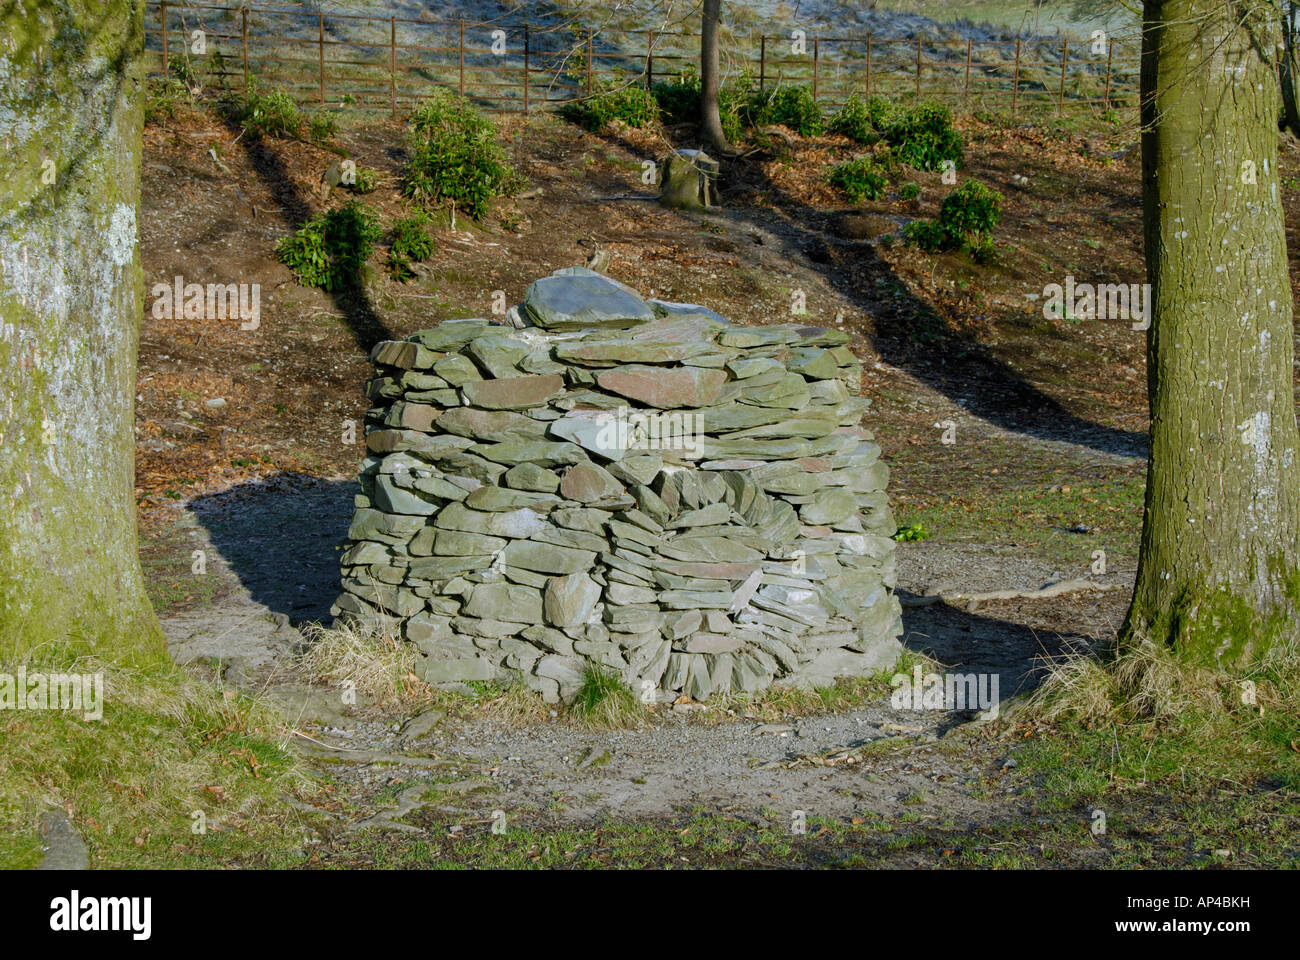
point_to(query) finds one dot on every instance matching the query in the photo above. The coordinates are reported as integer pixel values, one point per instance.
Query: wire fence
(348, 61)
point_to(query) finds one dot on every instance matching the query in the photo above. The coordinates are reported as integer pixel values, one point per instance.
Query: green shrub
(861, 120)
(604, 701)
(910, 533)
(860, 179)
(679, 99)
(364, 180)
(411, 243)
(966, 220)
(633, 104)
(926, 234)
(789, 106)
(909, 191)
(969, 210)
(331, 247)
(923, 136)
(273, 114)
(455, 155)
(321, 127)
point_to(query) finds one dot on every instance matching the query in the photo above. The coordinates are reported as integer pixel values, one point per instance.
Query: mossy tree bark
(1217, 577)
(710, 118)
(70, 307)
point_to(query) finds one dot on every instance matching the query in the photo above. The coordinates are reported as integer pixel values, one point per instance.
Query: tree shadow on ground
(909, 333)
(366, 325)
(279, 537)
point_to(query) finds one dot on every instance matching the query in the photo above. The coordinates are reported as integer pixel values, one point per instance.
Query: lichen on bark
(70, 307)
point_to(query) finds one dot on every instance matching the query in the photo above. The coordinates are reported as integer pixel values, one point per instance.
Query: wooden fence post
(816, 58)
(590, 49)
(918, 66)
(163, 7)
(1060, 93)
(868, 65)
(1110, 52)
(762, 62)
(1015, 82)
(462, 57)
(320, 40)
(244, 43)
(965, 93)
(392, 63)
(526, 81)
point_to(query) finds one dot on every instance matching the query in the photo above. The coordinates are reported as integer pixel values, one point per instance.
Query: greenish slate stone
(543, 453)
(502, 498)
(737, 416)
(743, 368)
(569, 672)
(651, 504)
(828, 391)
(458, 543)
(830, 506)
(809, 428)
(454, 671)
(529, 476)
(412, 416)
(690, 311)
(694, 600)
(581, 301)
(588, 483)
(585, 519)
(600, 434)
(466, 466)
(371, 524)
(705, 549)
(748, 337)
(438, 486)
(391, 498)
(713, 643)
(514, 393)
(400, 353)
(515, 524)
(421, 444)
(640, 469)
(498, 355)
(665, 389)
(453, 334)
(457, 370)
(505, 601)
(491, 425)
(365, 552)
(577, 539)
(714, 513)
(589, 398)
(629, 351)
(625, 594)
(539, 361)
(759, 448)
(547, 557)
(569, 600)
(444, 568)
(813, 363)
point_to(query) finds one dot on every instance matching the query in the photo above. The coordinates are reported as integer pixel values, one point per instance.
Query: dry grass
(373, 658)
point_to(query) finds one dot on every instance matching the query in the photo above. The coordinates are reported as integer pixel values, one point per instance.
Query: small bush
(966, 220)
(860, 179)
(411, 243)
(605, 701)
(926, 234)
(861, 120)
(679, 99)
(788, 106)
(321, 127)
(910, 533)
(273, 114)
(909, 191)
(366, 179)
(923, 136)
(634, 105)
(970, 209)
(455, 155)
(331, 247)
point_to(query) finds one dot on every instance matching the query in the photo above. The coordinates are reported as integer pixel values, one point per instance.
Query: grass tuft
(605, 702)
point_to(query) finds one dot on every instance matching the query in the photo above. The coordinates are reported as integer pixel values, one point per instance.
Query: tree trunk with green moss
(1217, 577)
(70, 307)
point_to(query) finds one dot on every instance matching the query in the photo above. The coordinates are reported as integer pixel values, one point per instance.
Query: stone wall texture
(602, 479)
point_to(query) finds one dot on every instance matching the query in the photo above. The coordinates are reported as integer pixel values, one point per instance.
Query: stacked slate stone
(631, 483)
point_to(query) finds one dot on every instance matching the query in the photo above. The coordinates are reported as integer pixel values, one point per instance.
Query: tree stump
(688, 180)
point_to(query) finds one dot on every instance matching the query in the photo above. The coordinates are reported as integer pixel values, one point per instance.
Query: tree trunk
(710, 118)
(1290, 70)
(70, 307)
(1217, 577)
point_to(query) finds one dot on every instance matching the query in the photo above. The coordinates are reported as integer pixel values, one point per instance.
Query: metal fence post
(320, 27)
(590, 49)
(1110, 52)
(244, 43)
(392, 64)
(762, 62)
(526, 45)
(816, 58)
(163, 7)
(461, 88)
(965, 93)
(650, 62)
